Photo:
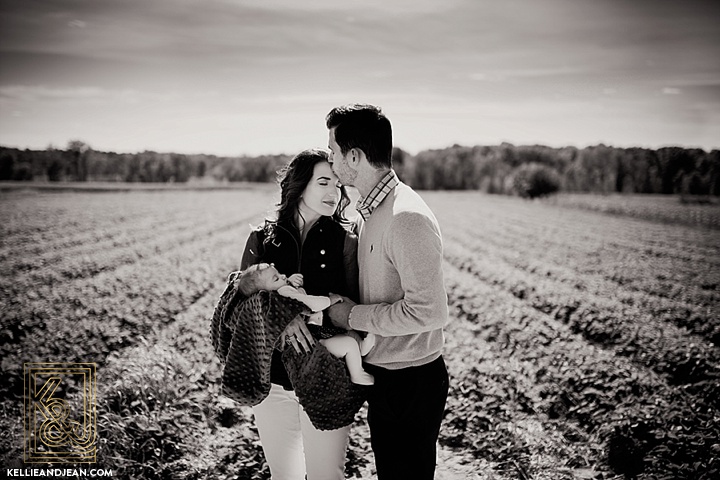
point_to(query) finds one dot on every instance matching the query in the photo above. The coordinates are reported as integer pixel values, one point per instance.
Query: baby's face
(271, 279)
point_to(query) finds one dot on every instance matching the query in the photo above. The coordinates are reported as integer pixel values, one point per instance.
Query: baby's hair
(248, 281)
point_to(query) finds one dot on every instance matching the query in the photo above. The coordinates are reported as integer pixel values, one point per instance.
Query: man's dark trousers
(405, 408)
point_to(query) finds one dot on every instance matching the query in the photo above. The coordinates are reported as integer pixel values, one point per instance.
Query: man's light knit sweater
(402, 292)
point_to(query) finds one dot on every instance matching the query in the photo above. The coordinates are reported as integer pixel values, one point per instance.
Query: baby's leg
(366, 344)
(344, 346)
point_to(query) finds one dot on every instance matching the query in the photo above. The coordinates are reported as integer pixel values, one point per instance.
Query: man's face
(339, 162)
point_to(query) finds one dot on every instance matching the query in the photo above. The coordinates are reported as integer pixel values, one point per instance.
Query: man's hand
(340, 312)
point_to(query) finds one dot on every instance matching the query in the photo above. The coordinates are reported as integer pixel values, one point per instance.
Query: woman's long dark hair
(293, 179)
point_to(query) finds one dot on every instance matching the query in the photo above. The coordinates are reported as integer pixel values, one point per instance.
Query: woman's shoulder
(265, 229)
(257, 232)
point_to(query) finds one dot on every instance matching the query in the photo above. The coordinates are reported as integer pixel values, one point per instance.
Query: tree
(533, 180)
(398, 161)
(7, 166)
(79, 154)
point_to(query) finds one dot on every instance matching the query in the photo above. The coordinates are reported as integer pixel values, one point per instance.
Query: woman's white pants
(292, 445)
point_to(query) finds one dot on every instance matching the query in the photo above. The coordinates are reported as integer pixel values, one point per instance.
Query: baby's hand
(296, 280)
(334, 298)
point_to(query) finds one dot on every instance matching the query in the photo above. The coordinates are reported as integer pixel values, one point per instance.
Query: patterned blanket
(244, 332)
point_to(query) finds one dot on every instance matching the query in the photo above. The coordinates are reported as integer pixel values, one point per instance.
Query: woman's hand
(298, 335)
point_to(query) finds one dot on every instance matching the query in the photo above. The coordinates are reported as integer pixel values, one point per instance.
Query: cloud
(194, 59)
(39, 93)
(396, 7)
(498, 75)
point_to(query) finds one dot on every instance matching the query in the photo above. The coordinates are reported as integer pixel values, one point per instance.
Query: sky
(235, 77)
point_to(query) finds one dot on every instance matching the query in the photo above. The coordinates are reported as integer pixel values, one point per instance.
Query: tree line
(506, 168)
(80, 163)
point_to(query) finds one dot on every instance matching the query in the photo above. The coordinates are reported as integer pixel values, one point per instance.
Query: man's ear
(356, 155)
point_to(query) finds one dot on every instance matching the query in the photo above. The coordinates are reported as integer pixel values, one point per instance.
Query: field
(584, 339)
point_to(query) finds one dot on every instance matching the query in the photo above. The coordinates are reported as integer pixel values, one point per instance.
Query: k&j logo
(60, 413)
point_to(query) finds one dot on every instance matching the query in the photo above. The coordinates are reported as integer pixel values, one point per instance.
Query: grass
(582, 341)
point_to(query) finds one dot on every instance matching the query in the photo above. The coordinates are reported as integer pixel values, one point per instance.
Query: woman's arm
(252, 253)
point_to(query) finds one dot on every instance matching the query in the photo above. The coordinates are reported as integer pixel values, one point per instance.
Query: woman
(308, 237)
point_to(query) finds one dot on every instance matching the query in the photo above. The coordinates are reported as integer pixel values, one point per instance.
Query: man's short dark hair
(365, 127)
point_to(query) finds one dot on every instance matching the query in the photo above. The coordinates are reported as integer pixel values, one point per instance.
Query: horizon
(273, 154)
(232, 78)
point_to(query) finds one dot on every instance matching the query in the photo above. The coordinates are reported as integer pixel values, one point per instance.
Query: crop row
(630, 261)
(662, 208)
(24, 254)
(86, 318)
(99, 304)
(60, 267)
(31, 297)
(28, 222)
(638, 267)
(490, 412)
(666, 261)
(512, 219)
(700, 316)
(627, 330)
(644, 424)
(634, 270)
(103, 219)
(40, 218)
(72, 289)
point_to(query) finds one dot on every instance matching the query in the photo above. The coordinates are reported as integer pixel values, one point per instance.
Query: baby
(350, 346)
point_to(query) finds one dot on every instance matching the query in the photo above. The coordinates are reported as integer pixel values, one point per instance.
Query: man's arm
(414, 246)
(339, 313)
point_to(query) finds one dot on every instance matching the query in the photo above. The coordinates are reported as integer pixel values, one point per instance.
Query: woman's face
(322, 193)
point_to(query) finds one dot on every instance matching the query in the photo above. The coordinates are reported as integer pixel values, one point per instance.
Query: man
(402, 296)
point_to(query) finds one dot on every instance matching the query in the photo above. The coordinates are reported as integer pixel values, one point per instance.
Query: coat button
(322, 265)
(322, 252)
